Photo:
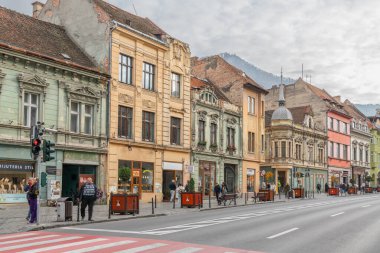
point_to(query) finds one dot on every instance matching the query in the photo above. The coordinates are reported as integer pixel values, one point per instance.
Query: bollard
(235, 199)
(313, 194)
(152, 207)
(245, 197)
(255, 197)
(209, 200)
(133, 204)
(78, 211)
(109, 206)
(279, 194)
(155, 201)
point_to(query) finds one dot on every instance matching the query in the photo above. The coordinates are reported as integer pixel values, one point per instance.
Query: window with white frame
(75, 117)
(31, 103)
(176, 85)
(251, 105)
(148, 76)
(88, 115)
(125, 69)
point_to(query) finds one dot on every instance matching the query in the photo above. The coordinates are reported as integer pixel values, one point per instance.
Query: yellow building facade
(137, 162)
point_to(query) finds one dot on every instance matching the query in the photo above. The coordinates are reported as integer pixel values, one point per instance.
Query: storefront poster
(54, 189)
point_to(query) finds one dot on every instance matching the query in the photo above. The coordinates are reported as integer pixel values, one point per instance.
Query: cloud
(337, 41)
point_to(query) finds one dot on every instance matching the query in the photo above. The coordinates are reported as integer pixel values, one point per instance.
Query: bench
(229, 196)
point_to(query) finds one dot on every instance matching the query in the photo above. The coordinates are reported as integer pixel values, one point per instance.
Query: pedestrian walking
(319, 188)
(172, 188)
(32, 196)
(87, 196)
(326, 187)
(179, 191)
(217, 191)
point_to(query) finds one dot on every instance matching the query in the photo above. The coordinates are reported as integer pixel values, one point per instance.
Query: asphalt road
(335, 224)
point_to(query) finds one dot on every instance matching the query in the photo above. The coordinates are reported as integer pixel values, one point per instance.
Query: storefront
(13, 178)
(171, 171)
(207, 177)
(230, 177)
(338, 176)
(251, 180)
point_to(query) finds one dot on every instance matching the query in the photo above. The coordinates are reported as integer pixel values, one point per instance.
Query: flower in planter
(202, 143)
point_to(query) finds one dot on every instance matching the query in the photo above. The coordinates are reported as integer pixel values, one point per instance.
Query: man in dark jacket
(87, 196)
(217, 191)
(32, 197)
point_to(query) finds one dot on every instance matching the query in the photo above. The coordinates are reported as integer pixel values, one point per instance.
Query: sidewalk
(12, 216)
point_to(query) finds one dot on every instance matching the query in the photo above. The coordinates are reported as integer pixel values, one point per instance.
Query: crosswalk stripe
(187, 250)
(142, 248)
(103, 246)
(16, 236)
(39, 243)
(66, 245)
(28, 239)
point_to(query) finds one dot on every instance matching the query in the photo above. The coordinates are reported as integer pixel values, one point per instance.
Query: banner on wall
(54, 190)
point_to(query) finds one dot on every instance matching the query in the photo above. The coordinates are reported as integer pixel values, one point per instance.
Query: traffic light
(36, 142)
(48, 150)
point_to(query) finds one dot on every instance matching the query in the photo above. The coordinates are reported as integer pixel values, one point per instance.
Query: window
(320, 155)
(276, 149)
(338, 126)
(330, 123)
(298, 151)
(251, 105)
(176, 85)
(283, 149)
(355, 153)
(337, 145)
(125, 69)
(124, 175)
(331, 149)
(366, 155)
(345, 128)
(262, 108)
(251, 142)
(230, 137)
(148, 76)
(345, 149)
(88, 110)
(290, 149)
(262, 143)
(147, 177)
(75, 117)
(213, 134)
(361, 154)
(148, 126)
(201, 131)
(310, 154)
(125, 122)
(30, 109)
(175, 136)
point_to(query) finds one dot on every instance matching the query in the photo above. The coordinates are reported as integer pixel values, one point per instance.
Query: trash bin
(64, 209)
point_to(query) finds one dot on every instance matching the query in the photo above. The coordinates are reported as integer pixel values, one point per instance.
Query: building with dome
(295, 148)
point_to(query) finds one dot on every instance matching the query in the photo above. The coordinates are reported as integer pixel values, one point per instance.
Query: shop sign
(171, 166)
(250, 172)
(136, 173)
(13, 198)
(12, 166)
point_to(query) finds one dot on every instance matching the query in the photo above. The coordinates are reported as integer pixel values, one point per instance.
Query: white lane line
(28, 239)
(143, 248)
(17, 236)
(103, 230)
(366, 206)
(39, 243)
(186, 250)
(337, 214)
(103, 246)
(66, 245)
(282, 233)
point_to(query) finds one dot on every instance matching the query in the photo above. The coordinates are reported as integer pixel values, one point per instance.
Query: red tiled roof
(353, 111)
(41, 38)
(197, 83)
(140, 24)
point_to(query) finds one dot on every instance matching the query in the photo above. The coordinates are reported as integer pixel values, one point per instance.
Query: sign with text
(14, 166)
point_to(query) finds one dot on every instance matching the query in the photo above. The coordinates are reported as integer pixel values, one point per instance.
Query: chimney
(37, 7)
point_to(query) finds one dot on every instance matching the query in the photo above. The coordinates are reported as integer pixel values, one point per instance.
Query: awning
(172, 166)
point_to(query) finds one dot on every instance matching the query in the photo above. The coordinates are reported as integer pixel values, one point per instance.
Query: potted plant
(191, 198)
(368, 189)
(267, 194)
(333, 190)
(352, 189)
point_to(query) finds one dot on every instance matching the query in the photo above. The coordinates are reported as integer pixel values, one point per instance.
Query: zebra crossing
(34, 242)
(217, 221)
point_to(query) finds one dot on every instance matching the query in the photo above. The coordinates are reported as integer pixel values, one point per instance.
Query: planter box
(266, 195)
(352, 190)
(191, 199)
(298, 192)
(334, 191)
(368, 190)
(378, 189)
(124, 203)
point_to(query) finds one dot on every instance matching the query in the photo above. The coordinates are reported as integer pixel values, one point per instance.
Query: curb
(43, 227)
(252, 204)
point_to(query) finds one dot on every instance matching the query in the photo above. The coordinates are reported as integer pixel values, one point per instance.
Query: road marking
(186, 250)
(65, 245)
(17, 236)
(28, 239)
(282, 233)
(39, 243)
(103, 246)
(337, 214)
(103, 230)
(143, 248)
(366, 206)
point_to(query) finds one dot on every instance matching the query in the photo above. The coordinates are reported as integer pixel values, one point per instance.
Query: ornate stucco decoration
(84, 94)
(299, 139)
(310, 142)
(202, 115)
(355, 142)
(148, 103)
(125, 98)
(2, 76)
(32, 83)
(231, 121)
(214, 118)
(321, 144)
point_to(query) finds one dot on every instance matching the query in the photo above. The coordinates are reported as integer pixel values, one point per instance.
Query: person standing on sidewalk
(26, 189)
(32, 196)
(87, 196)
(172, 188)
(217, 191)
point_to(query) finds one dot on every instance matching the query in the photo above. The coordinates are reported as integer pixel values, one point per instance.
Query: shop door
(282, 179)
(136, 182)
(229, 176)
(168, 176)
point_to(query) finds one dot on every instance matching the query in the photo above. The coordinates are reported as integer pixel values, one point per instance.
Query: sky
(337, 41)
